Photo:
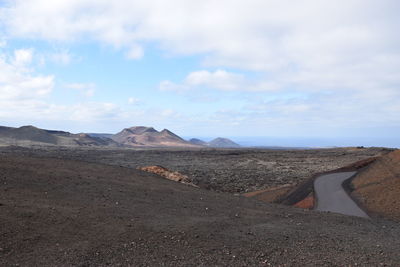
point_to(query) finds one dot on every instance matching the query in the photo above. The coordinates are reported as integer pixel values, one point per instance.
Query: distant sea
(309, 142)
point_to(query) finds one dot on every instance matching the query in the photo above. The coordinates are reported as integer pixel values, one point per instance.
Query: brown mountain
(198, 142)
(30, 136)
(140, 136)
(222, 143)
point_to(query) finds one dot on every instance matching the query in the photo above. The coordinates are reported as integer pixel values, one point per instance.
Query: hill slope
(378, 187)
(9, 135)
(222, 142)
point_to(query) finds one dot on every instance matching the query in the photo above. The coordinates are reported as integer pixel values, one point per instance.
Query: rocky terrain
(59, 212)
(226, 170)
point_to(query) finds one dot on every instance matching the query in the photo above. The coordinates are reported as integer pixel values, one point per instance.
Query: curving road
(332, 197)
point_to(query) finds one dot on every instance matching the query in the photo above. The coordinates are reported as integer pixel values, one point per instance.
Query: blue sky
(262, 70)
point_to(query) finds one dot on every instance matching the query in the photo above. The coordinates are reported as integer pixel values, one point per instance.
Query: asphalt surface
(333, 198)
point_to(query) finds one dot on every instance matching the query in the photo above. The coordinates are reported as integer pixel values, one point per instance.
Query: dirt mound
(168, 174)
(378, 186)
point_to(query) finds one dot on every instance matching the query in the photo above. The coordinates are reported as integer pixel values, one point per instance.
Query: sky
(255, 69)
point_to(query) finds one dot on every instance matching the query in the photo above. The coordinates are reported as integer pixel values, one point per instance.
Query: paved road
(332, 197)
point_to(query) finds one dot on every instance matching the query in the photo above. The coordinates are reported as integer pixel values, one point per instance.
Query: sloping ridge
(378, 186)
(11, 135)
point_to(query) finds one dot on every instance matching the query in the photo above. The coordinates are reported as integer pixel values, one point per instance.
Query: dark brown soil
(56, 212)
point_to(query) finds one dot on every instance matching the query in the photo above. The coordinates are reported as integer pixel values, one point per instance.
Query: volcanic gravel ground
(56, 212)
(227, 170)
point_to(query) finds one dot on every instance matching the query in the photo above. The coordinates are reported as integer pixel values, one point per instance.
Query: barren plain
(226, 170)
(85, 207)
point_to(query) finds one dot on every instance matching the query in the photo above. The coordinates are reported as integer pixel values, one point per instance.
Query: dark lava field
(64, 207)
(226, 170)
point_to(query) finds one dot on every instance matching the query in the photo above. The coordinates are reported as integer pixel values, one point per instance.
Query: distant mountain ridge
(222, 142)
(199, 142)
(30, 135)
(137, 136)
(219, 142)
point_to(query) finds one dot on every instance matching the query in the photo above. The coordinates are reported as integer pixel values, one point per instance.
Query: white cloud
(25, 97)
(22, 57)
(62, 57)
(309, 43)
(22, 92)
(86, 89)
(257, 34)
(219, 80)
(17, 82)
(135, 52)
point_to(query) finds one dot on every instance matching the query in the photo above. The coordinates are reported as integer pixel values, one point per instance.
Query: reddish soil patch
(307, 203)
